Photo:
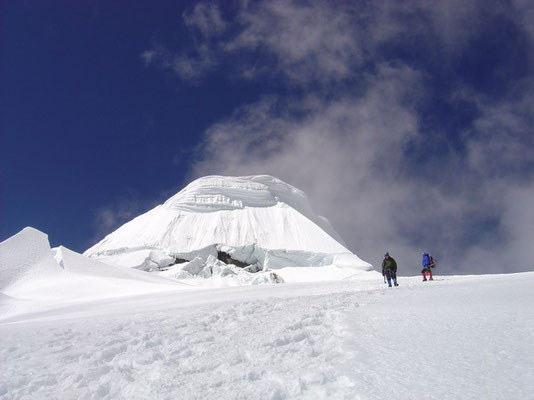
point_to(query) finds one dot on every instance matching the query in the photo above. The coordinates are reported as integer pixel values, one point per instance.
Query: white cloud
(193, 62)
(312, 40)
(348, 155)
(504, 137)
(206, 18)
(322, 42)
(188, 66)
(346, 138)
(191, 67)
(111, 217)
(343, 152)
(148, 56)
(525, 13)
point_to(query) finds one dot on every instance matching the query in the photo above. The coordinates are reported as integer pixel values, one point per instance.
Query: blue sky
(409, 124)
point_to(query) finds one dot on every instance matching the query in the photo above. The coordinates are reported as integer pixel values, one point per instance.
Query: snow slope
(462, 337)
(256, 219)
(73, 327)
(31, 273)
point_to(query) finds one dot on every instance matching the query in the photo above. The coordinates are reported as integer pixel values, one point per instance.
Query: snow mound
(24, 258)
(31, 270)
(254, 220)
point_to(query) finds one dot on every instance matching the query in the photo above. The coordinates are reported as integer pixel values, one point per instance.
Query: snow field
(264, 349)
(454, 338)
(458, 338)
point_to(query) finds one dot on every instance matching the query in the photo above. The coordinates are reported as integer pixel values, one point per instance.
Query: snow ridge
(31, 271)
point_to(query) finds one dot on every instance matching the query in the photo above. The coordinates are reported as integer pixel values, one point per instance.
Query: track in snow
(463, 337)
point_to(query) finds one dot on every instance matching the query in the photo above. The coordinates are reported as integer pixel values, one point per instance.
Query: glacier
(255, 221)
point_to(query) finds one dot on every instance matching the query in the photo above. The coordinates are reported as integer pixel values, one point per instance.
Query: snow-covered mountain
(256, 222)
(72, 326)
(234, 230)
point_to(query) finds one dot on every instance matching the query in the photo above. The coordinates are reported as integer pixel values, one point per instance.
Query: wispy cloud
(193, 62)
(119, 212)
(189, 66)
(312, 40)
(206, 18)
(345, 154)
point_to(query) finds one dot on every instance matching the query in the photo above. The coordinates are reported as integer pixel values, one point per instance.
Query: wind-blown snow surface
(255, 219)
(457, 337)
(33, 274)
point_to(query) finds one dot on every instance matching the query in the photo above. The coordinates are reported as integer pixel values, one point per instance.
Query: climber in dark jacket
(389, 269)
